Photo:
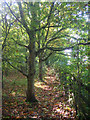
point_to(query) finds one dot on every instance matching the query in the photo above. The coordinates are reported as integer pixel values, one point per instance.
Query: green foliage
(53, 27)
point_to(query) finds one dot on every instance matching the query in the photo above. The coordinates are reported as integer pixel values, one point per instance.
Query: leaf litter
(53, 103)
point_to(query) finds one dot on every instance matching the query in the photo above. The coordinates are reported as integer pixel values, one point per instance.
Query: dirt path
(52, 102)
(54, 99)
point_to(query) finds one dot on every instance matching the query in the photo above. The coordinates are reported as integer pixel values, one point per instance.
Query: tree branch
(3, 45)
(61, 49)
(47, 57)
(50, 12)
(48, 22)
(16, 68)
(42, 49)
(12, 12)
(88, 43)
(22, 18)
(7, 32)
(43, 27)
(20, 44)
(52, 40)
(58, 32)
(76, 38)
(53, 37)
(47, 33)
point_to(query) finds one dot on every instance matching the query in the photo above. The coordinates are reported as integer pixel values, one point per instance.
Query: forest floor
(53, 101)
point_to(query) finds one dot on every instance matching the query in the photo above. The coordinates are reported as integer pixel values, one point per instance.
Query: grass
(15, 84)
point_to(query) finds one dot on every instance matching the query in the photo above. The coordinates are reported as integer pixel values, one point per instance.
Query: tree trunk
(40, 69)
(30, 90)
(32, 39)
(30, 79)
(31, 72)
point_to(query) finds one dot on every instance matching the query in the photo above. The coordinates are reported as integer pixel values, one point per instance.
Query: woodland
(45, 60)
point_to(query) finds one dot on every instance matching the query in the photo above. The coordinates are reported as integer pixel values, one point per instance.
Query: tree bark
(40, 69)
(30, 94)
(30, 79)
